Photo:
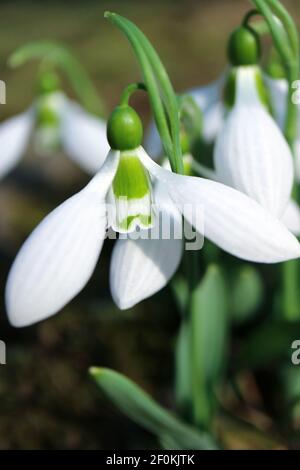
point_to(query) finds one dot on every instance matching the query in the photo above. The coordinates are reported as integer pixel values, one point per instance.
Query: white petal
(291, 217)
(14, 137)
(232, 220)
(213, 119)
(209, 99)
(58, 259)
(278, 89)
(141, 267)
(297, 160)
(84, 137)
(251, 154)
(208, 95)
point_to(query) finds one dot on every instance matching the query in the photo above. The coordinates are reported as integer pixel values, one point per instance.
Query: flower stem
(60, 56)
(162, 97)
(129, 90)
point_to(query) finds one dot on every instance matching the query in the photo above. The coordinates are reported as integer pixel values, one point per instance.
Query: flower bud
(243, 47)
(124, 129)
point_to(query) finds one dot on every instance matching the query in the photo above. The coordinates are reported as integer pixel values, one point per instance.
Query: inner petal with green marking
(47, 135)
(131, 194)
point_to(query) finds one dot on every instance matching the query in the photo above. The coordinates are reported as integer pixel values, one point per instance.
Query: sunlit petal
(59, 257)
(291, 217)
(251, 154)
(84, 137)
(232, 220)
(144, 263)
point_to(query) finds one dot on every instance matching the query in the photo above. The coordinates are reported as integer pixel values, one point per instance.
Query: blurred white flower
(54, 121)
(58, 259)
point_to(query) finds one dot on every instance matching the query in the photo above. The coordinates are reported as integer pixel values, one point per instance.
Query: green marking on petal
(132, 179)
(47, 133)
(133, 221)
(230, 89)
(132, 195)
(47, 112)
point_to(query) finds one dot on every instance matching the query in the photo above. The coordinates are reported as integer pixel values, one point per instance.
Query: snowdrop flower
(58, 259)
(250, 153)
(54, 121)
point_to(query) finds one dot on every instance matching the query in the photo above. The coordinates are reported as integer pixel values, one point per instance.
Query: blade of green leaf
(209, 330)
(141, 408)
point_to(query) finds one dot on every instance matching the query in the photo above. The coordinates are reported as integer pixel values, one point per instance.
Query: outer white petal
(291, 217)
(251, 154)
(14, 137)
(209, 99)
(141, 267)
(278, 89)
(84, 137)
(59, 257)
(208, 95)
(232, 220)
(297, 160)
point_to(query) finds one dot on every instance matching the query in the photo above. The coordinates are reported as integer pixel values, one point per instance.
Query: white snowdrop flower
(251, 153)
(58, 259)
(54, 121)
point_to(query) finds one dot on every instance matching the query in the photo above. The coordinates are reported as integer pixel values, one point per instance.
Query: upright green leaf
(141, 408)
(209, 325)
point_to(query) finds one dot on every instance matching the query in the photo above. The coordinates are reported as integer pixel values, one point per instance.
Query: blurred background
(47, 399)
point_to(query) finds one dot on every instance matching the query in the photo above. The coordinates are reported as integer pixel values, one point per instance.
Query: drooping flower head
(251, 154)
(52, 123)
(129, 194)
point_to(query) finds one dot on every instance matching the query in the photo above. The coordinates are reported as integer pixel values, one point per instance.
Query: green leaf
(141, 408)
(183, 377)
(247, 294)
(210, 312)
